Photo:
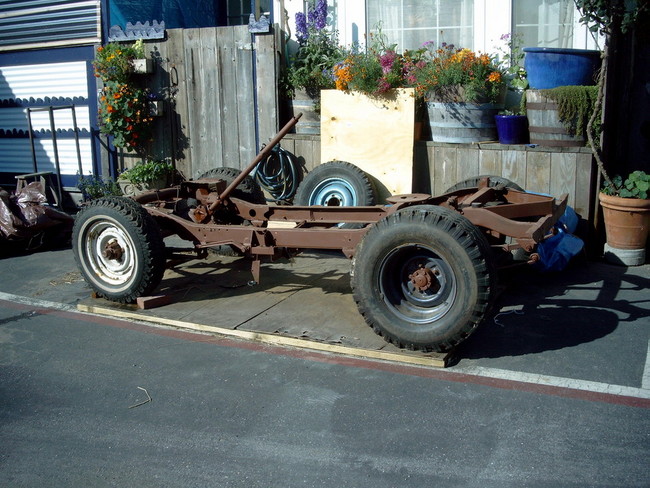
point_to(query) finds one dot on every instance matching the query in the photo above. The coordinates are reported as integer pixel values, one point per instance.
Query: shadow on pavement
(543, 312)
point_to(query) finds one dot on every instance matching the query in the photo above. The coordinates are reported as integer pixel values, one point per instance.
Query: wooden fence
(438, 166)
(220, 82)
(221, 96)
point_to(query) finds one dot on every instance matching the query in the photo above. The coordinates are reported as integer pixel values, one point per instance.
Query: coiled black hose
(277, 175)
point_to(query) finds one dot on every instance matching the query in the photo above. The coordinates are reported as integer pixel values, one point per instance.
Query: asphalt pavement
(553, 389)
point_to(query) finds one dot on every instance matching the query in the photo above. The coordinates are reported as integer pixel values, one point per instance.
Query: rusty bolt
(113, 250)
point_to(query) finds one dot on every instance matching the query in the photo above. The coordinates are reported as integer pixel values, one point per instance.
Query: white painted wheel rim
(109, 271)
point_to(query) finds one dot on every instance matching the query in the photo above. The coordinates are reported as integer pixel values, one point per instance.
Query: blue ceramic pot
(549, 67)
(512, 129)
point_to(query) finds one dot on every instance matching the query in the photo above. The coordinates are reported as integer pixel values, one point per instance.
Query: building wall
(491, 19)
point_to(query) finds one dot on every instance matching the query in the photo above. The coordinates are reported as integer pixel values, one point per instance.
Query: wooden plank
(563, 175)
(490, 162)
(445, 164)
(191, 48)
(305, 148)
(375, 134)
(158, 83)
(207, 108)
(586, 192)
(267, 63)
(514, 167)
(227, 68)
(422, 359)
(245, 97)
(538, 171)
(467, 162)
(178, 102)
(432, 167)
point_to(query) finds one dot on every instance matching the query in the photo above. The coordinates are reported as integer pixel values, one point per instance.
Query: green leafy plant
(148, 171)
(636, 185)
(576, 104)
(377, 70)
(512, 62)
(310, 68)
(450, 74)
(115, 61)
(124, 114)
(93, 187)
(123, 104)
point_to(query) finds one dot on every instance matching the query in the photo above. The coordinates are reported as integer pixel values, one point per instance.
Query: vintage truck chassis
(423, 268)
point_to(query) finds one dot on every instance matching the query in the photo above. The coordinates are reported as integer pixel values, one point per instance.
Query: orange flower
(494, 77)
(110, 109)
(117, 96)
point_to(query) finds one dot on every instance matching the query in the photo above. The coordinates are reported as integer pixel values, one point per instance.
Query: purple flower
(301, 27)
(386, 60)
(318, 15)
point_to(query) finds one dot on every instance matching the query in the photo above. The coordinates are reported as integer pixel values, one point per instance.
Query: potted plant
(512, 123)
(614, 17)
(512, 127)
(463, 91)
(124, 106)
(144, 176)
(559, 116)
(626, 210)
(309, 71)
(93, 187)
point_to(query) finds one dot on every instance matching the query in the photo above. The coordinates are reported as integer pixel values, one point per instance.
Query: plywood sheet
(374, 134)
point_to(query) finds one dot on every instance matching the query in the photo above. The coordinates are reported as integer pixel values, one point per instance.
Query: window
(240, 10)
(545, 23)
(410, 23)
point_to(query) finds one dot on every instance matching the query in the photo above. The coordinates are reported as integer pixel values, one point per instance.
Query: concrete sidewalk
(589, 323)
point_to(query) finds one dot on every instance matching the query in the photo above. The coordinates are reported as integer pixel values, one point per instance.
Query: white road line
(554, 381)
(35, 302)
(502, 374)
(645, 381)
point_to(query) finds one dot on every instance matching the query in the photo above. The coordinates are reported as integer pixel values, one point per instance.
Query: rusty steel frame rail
(498, 211)
(316, 226)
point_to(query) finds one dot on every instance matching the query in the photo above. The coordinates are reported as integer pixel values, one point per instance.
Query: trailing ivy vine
(576, 104)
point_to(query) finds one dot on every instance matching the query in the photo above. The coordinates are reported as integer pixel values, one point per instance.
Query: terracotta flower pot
(627, 221)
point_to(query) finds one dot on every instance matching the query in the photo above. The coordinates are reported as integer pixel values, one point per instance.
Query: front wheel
(423, 278)
(118, 248)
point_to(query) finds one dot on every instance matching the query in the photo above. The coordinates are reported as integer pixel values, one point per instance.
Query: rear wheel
(118, 248)
(423, 278)
(336, 184)
(494, 181)
(248, 190)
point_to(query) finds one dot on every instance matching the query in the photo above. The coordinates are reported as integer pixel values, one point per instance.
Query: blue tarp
(177, 14)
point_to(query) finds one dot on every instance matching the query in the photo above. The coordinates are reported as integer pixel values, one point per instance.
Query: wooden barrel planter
(544, 124)
(310, 120)
(462, 122)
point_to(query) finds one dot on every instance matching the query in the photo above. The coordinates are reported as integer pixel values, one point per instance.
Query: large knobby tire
(118, 248)
(494, 181)
(248, 190)
(423, 278)
(335, 184)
